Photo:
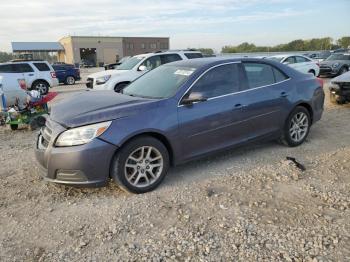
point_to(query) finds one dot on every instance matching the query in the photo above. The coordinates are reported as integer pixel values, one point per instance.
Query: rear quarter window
(42, 66)
(23, 68)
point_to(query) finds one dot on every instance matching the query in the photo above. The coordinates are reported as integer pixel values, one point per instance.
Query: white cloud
(47, 20)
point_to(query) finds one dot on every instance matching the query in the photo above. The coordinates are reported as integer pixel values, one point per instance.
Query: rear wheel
(141, 165)
(297, 127)
(70, 80)
(14, 127)
(41, 86)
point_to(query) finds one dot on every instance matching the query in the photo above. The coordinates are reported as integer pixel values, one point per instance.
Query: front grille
(90, 83)
(45, 136)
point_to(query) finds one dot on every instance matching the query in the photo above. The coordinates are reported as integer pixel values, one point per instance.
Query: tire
(132, 167)
(41, 86)
(70, 80)
(294, 132)
(343, 70)
(119, 87)
(14, 127)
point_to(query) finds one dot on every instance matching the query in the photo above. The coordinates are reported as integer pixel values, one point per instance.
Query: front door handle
(239, 106)
(284, 94)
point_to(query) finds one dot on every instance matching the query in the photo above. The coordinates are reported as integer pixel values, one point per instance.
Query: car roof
(167, 52)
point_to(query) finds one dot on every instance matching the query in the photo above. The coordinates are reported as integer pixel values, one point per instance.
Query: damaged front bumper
(84, 165)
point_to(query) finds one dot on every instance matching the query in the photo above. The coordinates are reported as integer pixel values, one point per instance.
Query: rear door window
(279, 76)
(221, 80)
(259, 74)
(290, 60)
(170, 58)
(193, 55)
(301, 59)
(23, 68)
(7, 68)
(42, 66)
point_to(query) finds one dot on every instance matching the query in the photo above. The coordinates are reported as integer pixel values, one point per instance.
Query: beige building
(104, 49)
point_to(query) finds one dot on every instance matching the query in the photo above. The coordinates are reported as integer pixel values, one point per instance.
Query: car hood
(108, 72)
(91, 107)
(344, 78)
(330, 63)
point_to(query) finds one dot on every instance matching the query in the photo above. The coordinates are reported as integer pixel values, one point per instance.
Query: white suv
(38, 75)
(135, 67)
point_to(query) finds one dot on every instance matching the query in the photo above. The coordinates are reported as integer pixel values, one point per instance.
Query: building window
(153, 46)
(143, 46)
(130, 46)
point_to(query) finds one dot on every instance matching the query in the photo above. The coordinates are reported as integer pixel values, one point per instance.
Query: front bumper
(85, 165)
(329, 71)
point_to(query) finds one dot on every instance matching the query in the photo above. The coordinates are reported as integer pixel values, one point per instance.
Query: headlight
(102, 80)
(335, 65)
(82, 135)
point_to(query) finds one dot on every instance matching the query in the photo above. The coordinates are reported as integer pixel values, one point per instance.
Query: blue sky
(191, 23)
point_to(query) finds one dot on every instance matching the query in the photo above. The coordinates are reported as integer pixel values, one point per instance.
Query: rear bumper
(85, 165)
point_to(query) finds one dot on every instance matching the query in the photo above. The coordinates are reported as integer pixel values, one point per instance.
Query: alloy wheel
(144, 166)
(299, 127)
(41, 87)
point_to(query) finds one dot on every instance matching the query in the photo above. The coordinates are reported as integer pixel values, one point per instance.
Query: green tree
(4, 57)
(344, 42)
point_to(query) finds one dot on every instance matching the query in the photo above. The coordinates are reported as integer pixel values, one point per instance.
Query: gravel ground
(247, 204)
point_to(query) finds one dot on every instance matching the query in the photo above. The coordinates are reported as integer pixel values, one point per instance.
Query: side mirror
(142, 68)
(194, 97)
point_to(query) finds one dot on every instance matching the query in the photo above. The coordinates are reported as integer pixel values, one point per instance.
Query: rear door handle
(31, 74)
(284, 94)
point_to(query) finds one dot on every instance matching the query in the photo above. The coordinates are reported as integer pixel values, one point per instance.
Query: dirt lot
(248, 204)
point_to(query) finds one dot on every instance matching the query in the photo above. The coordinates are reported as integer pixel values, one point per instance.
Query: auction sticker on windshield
(184, 72)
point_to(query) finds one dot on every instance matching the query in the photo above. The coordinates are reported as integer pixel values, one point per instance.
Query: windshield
(275, 58)
(161, 82)
(129, 64)
(338, 57)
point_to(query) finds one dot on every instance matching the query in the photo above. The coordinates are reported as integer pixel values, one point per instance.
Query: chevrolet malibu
(175, 113)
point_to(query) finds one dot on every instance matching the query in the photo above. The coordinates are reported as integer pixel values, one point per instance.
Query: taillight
(320, 81)
(53, 74)
(318, 64)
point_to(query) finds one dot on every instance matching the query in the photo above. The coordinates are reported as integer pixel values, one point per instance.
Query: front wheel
(141, 165)
(297, 127)
(343, 70)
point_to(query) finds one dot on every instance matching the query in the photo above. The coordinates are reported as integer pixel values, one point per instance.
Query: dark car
(173, 114)
(340, 89)
(86, 63)
(67, 73)
(336, 64)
